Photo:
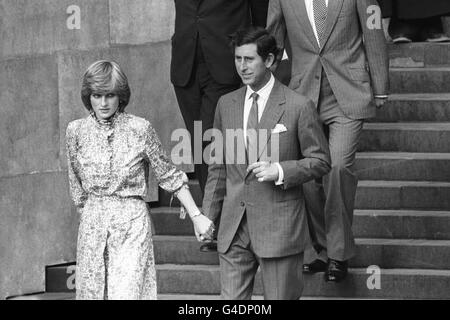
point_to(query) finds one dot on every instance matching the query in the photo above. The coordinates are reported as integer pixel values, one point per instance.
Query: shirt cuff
(381, 96)
(280, 180)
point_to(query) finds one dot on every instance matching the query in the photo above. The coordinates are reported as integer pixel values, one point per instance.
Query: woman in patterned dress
(109, 154)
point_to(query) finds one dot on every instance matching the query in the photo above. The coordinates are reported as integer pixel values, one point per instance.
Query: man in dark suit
(260, 203)
(339, 60)
(202, 67)
(416, 20)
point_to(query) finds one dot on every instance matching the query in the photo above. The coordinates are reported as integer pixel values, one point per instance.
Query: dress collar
(106, 124)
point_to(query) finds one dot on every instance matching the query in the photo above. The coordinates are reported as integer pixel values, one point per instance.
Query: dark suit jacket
(414, 9)
(354, 56)
(275, 214)
(211, 22)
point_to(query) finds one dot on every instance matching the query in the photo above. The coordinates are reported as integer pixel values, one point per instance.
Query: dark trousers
(197, 101)
(414, 9)
(416, 19)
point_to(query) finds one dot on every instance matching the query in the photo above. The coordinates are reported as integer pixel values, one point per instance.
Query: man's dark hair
(265, 42)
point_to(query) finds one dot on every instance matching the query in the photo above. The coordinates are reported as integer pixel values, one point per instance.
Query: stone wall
(44, 50)
(42, 59)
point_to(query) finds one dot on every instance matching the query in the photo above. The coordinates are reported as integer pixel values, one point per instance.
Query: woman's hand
(203, 227)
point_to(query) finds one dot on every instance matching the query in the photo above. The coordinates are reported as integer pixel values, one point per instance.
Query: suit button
(242, 204)
(317, 77)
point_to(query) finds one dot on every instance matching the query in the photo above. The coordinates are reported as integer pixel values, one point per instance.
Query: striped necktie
(252, 125)
(320, 18)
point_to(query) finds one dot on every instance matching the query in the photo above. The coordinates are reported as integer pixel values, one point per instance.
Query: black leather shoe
(315, 266)
(209, 247)
(437, 37)
(336, 270)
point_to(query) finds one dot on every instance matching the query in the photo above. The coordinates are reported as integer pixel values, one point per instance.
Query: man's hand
(379, 102)
(264, 171)
(203, 228)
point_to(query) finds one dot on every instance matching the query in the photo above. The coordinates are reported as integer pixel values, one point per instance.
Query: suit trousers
(282, 277)
(330, 200)
(197, 101)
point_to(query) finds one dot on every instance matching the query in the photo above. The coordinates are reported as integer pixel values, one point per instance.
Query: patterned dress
(108, 167)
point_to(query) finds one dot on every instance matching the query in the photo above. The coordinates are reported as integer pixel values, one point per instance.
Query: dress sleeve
(169, 177)
(77, 192)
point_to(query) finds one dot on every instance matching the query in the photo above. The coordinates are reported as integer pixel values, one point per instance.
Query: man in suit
(339, 60)
(259, 203)
(416, 20)
(202, 67)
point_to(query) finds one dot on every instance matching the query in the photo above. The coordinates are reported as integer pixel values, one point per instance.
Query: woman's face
(104, 105)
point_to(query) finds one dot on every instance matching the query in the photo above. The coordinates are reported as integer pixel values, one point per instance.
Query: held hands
(264, 171)
(203, 227)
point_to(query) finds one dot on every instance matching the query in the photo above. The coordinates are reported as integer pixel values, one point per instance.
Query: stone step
(402, 254)
(415, 107)
(382, 194)
(204, 280)
(402, 224)
(391, 224)
(183, 297)
(403, 166)
(60, 278)
(46, 296)
(385, 194)
(166, 221)
(423, 80)
(419, 55)
(385, 253)
(394, 283)
(193, 297)
(406, 137)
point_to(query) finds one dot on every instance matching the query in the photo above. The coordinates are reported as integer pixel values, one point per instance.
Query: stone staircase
(402, 221)
(402, 217)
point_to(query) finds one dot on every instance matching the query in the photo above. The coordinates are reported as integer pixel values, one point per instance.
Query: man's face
(251, 67)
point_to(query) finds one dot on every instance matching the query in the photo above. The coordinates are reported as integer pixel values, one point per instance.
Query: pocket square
(279, 128)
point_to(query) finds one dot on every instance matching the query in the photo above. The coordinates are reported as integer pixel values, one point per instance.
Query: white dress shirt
(263, 97)
(310, 10)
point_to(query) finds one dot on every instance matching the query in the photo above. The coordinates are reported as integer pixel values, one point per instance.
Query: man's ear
(270, 60)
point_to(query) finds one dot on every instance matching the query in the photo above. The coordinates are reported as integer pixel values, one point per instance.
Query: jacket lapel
(299, 7)
(334, 8)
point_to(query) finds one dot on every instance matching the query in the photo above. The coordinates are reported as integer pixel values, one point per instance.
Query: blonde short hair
(105, 77)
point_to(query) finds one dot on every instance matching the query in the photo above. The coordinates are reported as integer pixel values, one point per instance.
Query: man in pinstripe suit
(339, 60)
(260, 203)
